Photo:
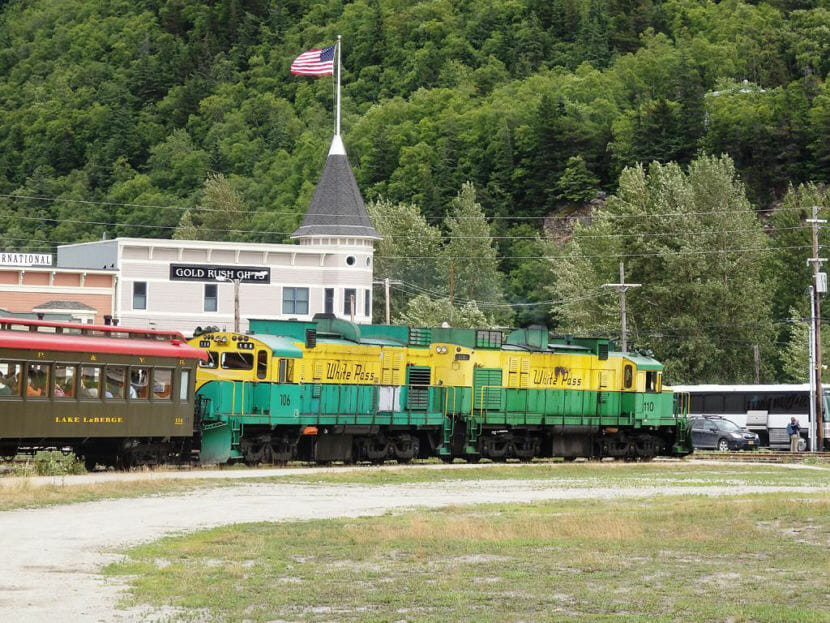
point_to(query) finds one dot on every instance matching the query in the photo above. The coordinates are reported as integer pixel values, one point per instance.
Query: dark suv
(715, 432)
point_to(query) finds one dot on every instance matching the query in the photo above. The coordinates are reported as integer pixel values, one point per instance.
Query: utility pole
(820, 285)
(621, 287)
(452, 281)
(756, 358)
(386, 290)
(235, 281)
(386, 283)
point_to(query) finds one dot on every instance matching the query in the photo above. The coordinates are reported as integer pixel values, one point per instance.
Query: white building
(184, 284)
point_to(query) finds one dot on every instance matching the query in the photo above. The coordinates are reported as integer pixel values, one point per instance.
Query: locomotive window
(237, 361)
(115, 382)
(162, 384)
(90, 382)
(628, 376)
(38, 383)
(651, 382)
(261, 364)
(65, 376)
(184, 387)
(286, 370)
(212, 362)
(140, 383)
(11, 375)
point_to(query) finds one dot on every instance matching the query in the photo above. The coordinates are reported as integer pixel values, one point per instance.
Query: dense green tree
(694, 243)
(469, 262)
(795, 358)
(577, 185)
(407, 254)
(788, 273)
(526, 279)
(221, 215)
(426, 311)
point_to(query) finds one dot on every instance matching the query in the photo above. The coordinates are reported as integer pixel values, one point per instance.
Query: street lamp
(235, 299)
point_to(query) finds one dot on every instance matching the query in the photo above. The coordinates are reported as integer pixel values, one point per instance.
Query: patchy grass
(587, 474)
(46, 463)
(759, 558)
(24, 492)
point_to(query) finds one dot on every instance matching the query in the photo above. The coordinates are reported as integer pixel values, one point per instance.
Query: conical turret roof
(337, 208)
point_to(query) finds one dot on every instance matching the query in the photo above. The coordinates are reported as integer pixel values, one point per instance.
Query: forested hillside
(157, 118)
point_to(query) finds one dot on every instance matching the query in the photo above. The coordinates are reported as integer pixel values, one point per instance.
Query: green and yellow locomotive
(330, 390)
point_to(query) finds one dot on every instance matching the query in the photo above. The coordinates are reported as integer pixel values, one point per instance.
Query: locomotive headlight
(440, 349)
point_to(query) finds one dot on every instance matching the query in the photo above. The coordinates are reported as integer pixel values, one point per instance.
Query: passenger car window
(115, 383)
(64, 381)
(162, 383)
(11, 374)
(140, 383)
(90, 382)
(39, 381)
(184, 385)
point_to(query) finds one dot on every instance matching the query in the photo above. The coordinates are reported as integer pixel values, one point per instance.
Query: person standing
(794, 431)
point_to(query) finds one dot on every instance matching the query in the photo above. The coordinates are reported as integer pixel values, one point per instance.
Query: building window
(329, 308)
(211, 301)
(139, 295)
(367, 304)
(295, 301)
(350, 294)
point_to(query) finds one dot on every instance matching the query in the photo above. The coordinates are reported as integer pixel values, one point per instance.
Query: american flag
(314, 63)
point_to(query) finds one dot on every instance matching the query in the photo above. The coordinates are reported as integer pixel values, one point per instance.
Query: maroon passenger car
(113, 395)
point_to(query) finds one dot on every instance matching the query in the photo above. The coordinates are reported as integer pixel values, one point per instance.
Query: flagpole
(337, 126)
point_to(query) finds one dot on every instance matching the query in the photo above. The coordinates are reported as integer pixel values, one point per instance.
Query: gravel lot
(52, 556)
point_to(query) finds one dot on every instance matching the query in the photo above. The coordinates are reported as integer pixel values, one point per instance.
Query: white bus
(763, 409)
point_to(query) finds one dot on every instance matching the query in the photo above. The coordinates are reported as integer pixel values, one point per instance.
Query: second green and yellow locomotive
(330, 390)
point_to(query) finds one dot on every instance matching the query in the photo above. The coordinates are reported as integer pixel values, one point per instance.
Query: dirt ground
(52, 557)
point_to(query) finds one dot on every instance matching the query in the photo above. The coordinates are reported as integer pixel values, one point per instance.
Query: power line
(603, 255)
(600, 214)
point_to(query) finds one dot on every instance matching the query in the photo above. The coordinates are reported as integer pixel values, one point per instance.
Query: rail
(761, 457)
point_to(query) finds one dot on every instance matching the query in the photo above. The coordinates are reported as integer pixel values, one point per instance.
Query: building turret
(337, 212)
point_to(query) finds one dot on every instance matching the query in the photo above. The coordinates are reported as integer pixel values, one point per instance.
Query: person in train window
(35, 386)
(89, 384)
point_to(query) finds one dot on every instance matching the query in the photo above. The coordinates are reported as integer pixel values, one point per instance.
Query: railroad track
(750, 456)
